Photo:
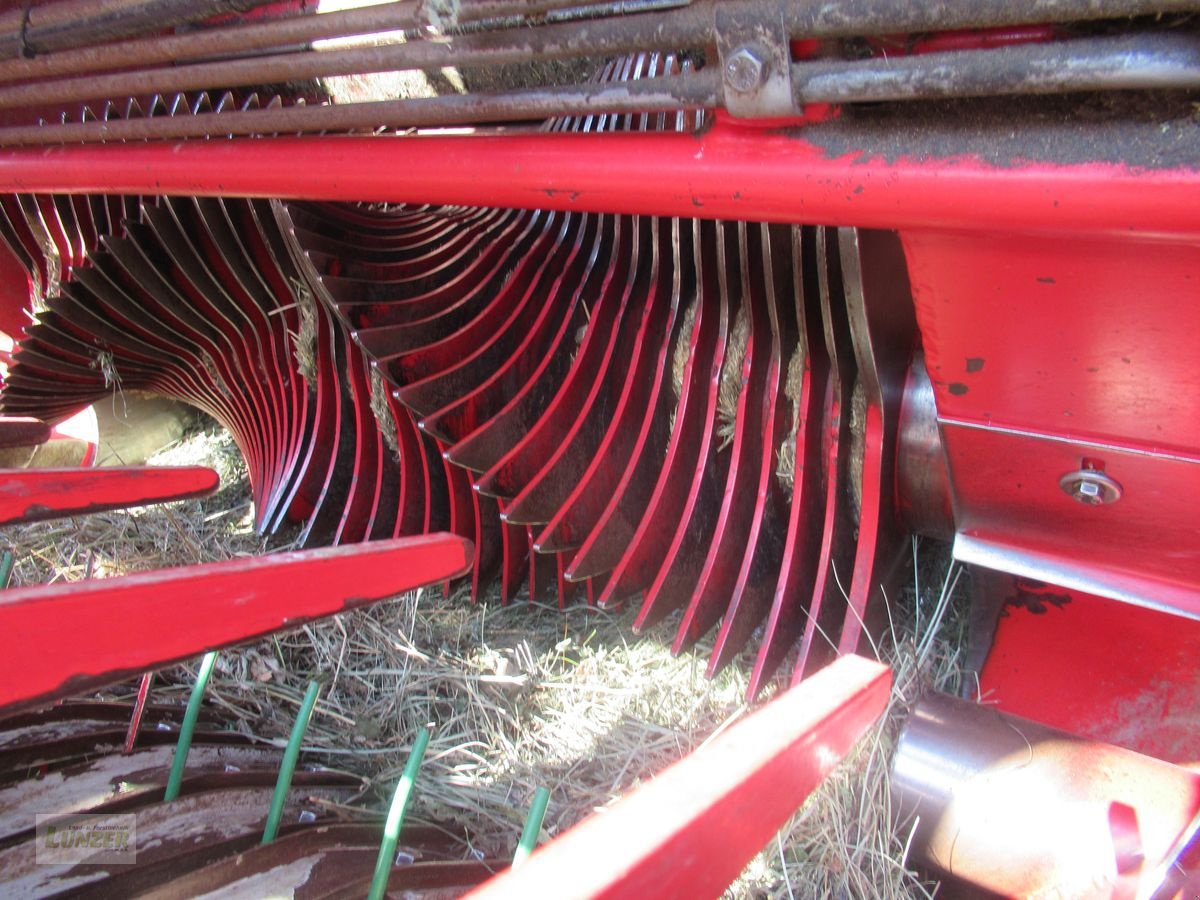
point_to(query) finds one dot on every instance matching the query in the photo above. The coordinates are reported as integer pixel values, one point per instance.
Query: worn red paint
(106, 629)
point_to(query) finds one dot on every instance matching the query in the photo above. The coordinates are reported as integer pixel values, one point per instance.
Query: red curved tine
(396, 317)
(732, 535)
(489, 542)
(462, 501)
(479, 449)
(130, 263)
(551, 485)
(211, 606)
(760, 566)
(802, 544)
(633, 445)
(33, 495)
(826, 609)
(411, 509)
(193, 294)
(277, 266)
(547, 338)
(436, 374)
(689, 441)
(515, 550)
(362, 493)
(528, 430)
(880, 310)
(306, 504)
(241, 299)
(679, 570)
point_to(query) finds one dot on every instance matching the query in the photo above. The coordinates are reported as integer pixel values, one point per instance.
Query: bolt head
(1088, 492)
(744, 70)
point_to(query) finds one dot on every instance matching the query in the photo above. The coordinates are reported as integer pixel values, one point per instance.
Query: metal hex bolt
(1091, 487)
(744, 70)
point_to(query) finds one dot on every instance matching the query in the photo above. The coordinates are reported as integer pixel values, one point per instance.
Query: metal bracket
(755, 57)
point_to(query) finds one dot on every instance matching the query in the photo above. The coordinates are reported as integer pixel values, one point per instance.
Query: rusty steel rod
(1166, 60)
(290, 31)
(61, 26)
(648, 95)
(690, 26)
(1129, 62)
(233, 39)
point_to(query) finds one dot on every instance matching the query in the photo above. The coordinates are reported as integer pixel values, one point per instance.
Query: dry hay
(518, 697)
(382, 410)
(732, 383)
(304, 340)
(785, 468)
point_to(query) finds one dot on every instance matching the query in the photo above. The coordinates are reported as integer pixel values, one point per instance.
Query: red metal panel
(689, 832)
(730, 172)
(1012, 515)
(31, 495)
(196, 608)
(1097, 668)
(1079, 337)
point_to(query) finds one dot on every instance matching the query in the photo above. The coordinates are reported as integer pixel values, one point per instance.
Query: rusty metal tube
(1138, 61)
(692, 91)
(254, 36)
(690, 26)
(1024, 810)
(59, 26)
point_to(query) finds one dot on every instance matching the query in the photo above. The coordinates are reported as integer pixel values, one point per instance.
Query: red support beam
(690, 831)
(64, 639)
(729, 172)
(21, 431)
(32, 495)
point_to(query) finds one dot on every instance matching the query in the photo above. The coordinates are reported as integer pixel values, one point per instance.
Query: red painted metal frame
(690, 832)
(730, 172)
(1049, 356)
(99, 628)
(32, 495)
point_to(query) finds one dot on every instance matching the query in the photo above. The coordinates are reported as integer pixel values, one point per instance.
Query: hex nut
(744, 70)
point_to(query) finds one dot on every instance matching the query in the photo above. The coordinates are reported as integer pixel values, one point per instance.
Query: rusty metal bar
(691, 26)
(196, 608)
(717, 807)
(244, 38)
(699, 90)
(33, 495)
(58, 26)
(1159, 61)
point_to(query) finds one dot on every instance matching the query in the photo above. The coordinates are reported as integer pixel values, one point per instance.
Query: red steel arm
(20, 431)
(62, 639)
(691, 831)
(31, 495)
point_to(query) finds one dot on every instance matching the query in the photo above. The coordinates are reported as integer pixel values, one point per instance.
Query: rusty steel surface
(1021, 809)
(197, 608)
(33, 495)
(691, 830)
